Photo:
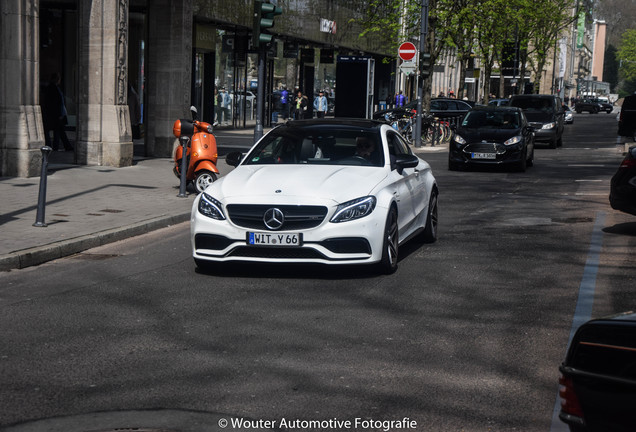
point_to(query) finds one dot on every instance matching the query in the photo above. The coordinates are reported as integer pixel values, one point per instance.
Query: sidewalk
(88, 206)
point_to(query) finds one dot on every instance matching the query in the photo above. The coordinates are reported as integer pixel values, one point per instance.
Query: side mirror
(405, 161)
(234, 158)
(194, 112)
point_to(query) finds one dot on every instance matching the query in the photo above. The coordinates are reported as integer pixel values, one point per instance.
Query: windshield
(533, 104)
(318, 145)
(491, 120)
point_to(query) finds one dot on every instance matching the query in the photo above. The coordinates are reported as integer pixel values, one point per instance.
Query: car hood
(472, 135)
(296, 183)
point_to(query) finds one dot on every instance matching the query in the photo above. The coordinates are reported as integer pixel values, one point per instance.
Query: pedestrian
(224, 102)
(55, 116)
(321, 105)
(134, 110)
(400, 99)
(300, 106)
(284, 102)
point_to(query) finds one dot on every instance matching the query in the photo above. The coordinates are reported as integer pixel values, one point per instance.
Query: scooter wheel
(203, 179)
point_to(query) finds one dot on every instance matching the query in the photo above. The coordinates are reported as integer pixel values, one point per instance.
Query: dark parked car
(545, 114)
(623, 185)
(499, 102)
(598, 376)
(590, 105)
(492, 135)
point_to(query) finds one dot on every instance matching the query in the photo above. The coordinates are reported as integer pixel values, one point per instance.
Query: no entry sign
(407, 51)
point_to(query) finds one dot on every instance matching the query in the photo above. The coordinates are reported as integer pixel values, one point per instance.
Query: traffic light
(264, 14)
(425, 64)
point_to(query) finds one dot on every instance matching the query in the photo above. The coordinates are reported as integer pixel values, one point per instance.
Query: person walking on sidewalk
(320, 105)
(55, 115)
(301, 106)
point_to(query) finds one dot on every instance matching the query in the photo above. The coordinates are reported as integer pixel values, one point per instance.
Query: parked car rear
(545, 114)
(598, 376)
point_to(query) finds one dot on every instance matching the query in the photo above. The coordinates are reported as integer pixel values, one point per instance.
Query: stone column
(104, 134)
(169, 71)
(21, 130)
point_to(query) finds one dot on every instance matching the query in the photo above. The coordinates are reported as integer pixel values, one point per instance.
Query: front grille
(275, 252)
(296, 217)
(481, 148)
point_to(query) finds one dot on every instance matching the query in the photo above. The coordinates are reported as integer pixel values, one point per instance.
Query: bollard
(184, 166)
(39, 217)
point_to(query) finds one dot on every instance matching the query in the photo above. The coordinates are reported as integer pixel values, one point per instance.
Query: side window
(396, 144)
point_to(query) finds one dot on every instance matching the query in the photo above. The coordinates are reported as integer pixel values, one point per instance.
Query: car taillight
(628, 163)
(569, 401)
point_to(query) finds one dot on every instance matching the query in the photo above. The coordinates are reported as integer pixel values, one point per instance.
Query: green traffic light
(264, 14)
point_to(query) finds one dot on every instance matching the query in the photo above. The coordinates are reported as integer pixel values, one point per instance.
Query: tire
(523, 162)
(203, 179)
(430, 229)
(389, 262)
(530, 161)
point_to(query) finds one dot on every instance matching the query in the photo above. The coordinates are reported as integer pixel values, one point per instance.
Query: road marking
(585, 302)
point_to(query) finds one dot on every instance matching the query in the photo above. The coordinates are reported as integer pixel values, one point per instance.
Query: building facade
(129, 68)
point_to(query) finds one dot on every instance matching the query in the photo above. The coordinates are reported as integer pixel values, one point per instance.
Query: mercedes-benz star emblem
(273, 218)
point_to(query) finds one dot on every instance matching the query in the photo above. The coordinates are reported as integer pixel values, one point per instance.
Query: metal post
(420, 89)
(184, 166)
(260, 96)
(39, 217)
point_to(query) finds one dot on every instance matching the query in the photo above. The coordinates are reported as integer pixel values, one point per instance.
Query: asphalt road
(467, 335)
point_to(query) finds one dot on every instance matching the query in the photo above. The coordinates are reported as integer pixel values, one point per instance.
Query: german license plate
(274, 239)
(484, 155)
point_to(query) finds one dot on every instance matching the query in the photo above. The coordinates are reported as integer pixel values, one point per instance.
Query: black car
(492, 135)
(545, 114)
(605, 106)
(590, 105)
(623, 185)
(598, 376)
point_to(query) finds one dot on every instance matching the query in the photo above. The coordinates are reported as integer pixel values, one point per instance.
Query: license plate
(484, 155)
(274, 239)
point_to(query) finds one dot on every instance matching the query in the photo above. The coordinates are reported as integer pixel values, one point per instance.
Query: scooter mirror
(194, 112)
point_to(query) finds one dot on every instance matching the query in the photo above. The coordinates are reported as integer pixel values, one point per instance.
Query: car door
(410, 187)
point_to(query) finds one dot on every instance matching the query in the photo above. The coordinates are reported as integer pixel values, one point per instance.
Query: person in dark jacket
(54, 117)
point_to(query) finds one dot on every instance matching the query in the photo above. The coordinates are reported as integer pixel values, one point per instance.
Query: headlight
(211, 207)
(354, 209)
(548, 125)
(513, 140)
(459, 140)
(210, 129)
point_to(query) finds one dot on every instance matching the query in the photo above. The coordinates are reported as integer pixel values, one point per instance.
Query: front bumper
(354, 242)
(485, 153)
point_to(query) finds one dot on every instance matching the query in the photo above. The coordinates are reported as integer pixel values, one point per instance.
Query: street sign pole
(420, 89)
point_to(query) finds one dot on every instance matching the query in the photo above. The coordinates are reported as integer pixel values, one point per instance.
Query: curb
(41, 254)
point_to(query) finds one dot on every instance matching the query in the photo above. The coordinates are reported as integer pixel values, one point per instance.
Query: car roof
(496, 108)
(337, 121)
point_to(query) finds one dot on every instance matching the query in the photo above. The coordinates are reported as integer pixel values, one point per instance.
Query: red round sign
(407, 51)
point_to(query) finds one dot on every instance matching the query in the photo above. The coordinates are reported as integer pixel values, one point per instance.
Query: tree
(627, 55)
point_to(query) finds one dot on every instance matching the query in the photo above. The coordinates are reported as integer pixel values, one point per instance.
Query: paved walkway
(88, 206)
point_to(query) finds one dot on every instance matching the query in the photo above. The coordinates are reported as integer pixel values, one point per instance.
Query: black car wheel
(389, 262)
